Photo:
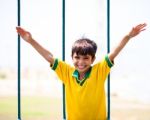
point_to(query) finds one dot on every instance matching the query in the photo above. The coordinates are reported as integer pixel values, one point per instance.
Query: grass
(46, 108)
(37, 108)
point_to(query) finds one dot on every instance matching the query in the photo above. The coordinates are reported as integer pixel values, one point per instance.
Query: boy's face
(82, 63)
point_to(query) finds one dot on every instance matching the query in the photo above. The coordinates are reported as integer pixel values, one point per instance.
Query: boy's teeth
(81, 67)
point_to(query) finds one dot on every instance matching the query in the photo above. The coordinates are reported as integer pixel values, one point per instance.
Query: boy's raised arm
(28, 38)
(134, 32)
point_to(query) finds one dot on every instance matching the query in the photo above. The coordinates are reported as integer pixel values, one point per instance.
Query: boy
(84, 84)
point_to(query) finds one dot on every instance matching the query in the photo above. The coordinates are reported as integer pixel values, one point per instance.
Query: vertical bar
(63, 53)
(19, 99)
(108, 50)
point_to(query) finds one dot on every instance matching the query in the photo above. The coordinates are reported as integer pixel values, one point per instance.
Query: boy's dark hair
(84, 46)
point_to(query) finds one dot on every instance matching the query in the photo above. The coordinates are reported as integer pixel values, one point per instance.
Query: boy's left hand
(137, 29)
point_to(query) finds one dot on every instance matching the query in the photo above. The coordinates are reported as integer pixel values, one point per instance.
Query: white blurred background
(84, 18)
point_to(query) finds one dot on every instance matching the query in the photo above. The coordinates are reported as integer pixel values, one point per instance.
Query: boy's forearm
(119, 47)
(42, 51)
(134, 32)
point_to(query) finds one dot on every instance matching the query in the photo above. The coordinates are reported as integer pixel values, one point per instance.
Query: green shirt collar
(76, 75)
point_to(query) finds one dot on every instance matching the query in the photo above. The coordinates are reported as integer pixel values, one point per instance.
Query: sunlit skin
(82, 63)
(49, 57)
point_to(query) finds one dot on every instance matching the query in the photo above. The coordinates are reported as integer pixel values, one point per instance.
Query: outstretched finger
(140, 26)
(142, 29)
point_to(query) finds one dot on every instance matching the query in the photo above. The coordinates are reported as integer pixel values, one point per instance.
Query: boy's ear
(93, 59)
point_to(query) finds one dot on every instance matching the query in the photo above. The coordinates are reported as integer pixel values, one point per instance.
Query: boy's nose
(80, 61)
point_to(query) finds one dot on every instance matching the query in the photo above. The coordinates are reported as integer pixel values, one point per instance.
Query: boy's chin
(82, 70)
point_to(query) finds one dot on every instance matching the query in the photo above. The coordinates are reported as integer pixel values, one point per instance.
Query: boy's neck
(81, 76)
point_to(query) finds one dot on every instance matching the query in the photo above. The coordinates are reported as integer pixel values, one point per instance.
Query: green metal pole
(19, 65)
(108, 50)
(63, 53)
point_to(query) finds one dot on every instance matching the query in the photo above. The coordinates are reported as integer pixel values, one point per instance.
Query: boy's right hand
(24, 34)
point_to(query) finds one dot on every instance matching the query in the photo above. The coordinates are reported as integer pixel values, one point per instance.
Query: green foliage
(2, 76)
(32, 108)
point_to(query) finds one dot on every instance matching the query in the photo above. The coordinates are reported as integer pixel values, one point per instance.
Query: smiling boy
(84, 83)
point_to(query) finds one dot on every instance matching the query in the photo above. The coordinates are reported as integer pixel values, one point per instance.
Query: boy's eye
(76, 57)
(86, 58)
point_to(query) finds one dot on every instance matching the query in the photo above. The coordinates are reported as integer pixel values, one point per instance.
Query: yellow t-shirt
(85, 100)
